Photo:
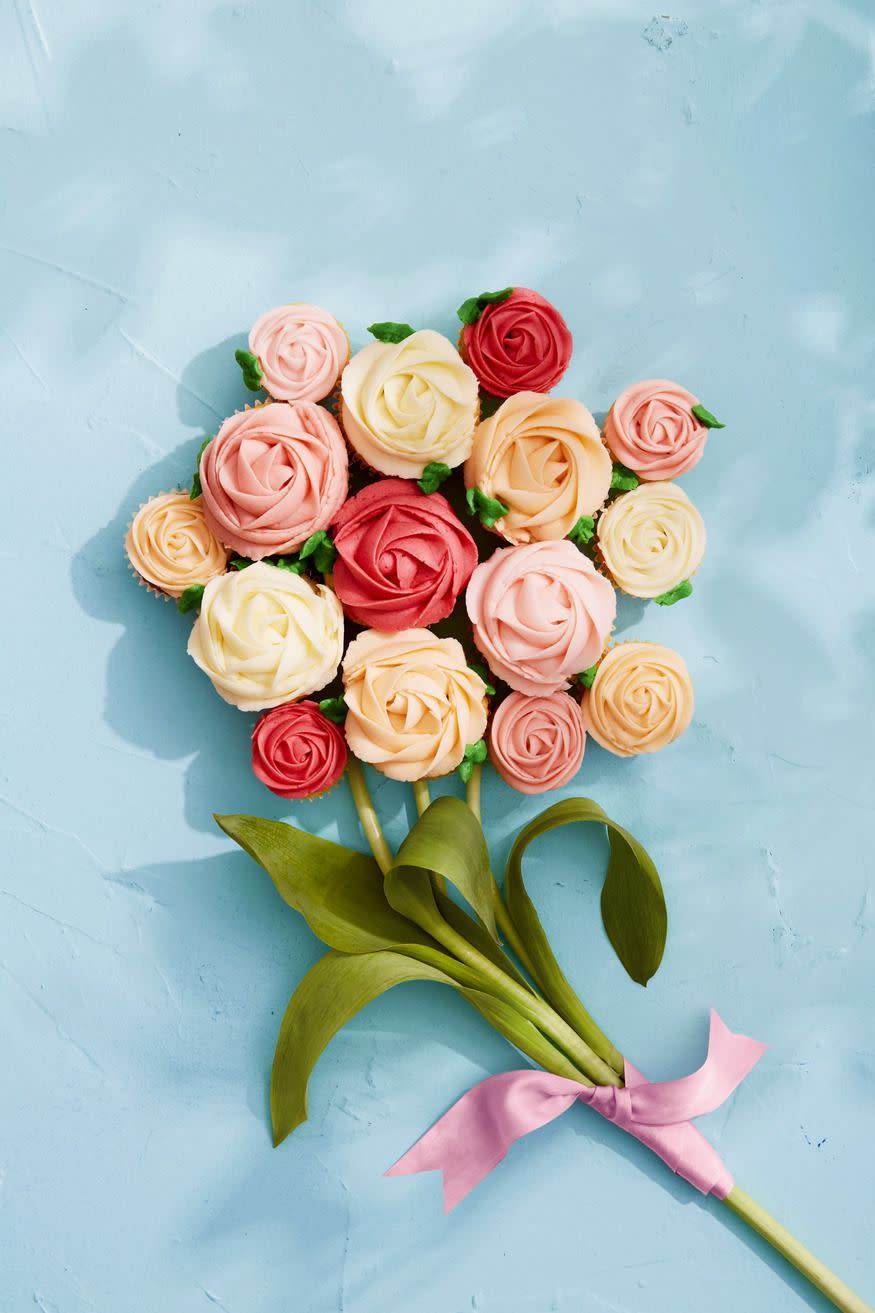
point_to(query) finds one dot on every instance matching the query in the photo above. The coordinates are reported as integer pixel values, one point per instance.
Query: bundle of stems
(390, 919)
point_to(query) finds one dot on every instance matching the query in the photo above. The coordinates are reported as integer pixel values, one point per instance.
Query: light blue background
(696, 195)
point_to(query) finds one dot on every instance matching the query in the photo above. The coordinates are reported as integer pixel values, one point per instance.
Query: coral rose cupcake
(409, 404)
(540, 614)
(537, 743)
(542, 458)
(272, 476)
(296, 353)
(651, 540)
(514, 341)
(170, 546)
(652, 430)
(640, 700)
(297, 751)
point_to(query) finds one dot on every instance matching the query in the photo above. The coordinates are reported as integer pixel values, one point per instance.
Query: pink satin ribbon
(478, 1130)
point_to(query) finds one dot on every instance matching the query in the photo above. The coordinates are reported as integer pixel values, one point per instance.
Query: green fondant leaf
(482, 671)
(582, 531)
(391, 332)
(676, 594)
(322, 550)
(334, 709)
(290, 563)
(434, 474)
(196, 488)
(489, 509)
(475, 754)
(587, 677)
(251, 367)
(239, 563)
(623, 480)
(471, 310)
(191, 598)
(705, 417)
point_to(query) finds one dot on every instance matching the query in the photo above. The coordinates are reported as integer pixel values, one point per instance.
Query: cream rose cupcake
(543, 458)
(414, 704)
(296, 353)
(170, 546)
(266, 636)
(651, 539)
(641, 699)
(408, 404)
(541, 614)
(272, 476)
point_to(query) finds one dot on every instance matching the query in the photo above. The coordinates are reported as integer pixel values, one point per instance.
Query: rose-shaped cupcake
(521, 344)
(170, 546)
(403, 557)
(272, 476)
(641, 699)
(544, 459)
(537, 743)
(301, 351)
(297, 751)
(651, 539)
(541, 614)
(407, 404)
(266, 636)
(652, 430)
(414, 704)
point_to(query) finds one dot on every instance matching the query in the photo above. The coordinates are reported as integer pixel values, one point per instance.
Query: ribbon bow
(473, 1137)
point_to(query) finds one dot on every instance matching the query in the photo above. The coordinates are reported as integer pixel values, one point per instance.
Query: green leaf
(290, 563)
(477, 937)
(251, 367)
(587, 677)
(583, 531)
(196, 488)
(475, 754)
(705, 417)
(322, 550)
(489, 509)
(676, 594)
(390, 332)
(334, 709)
(448, 841)
(632, 902)
(338, 891)
(471, 310)
(623, 480)
(191, 598)
(239, 563)
(434, 474)
(484, 674)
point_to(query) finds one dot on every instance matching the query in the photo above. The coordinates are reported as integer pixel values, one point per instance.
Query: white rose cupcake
(266, 636)
(408, 404)
(651, 540)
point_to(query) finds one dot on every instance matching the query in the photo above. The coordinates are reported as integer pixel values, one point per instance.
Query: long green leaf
(448, 841)
(338, 891)
(632, 902)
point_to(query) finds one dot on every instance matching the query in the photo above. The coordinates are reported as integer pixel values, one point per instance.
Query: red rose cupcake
(403, 557)
(518, 344)
(297, 751)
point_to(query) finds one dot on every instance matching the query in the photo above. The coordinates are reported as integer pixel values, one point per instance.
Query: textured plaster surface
(694, 190)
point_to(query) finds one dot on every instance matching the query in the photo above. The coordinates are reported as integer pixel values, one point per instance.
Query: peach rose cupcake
(641, 699)
(170, 546)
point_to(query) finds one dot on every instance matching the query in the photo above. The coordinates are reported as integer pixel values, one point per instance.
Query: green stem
(795, 1252)
(367, 815)
(421, 796)
(571, 1009)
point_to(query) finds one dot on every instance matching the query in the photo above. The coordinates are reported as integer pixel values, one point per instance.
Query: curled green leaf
(251, 368)
(676, 594)
(334, 709)
(388, 331)
(705, 417)
(434, 474)
(623, 480)
(587, 677)
(320, 547)
(471, 310)
(583, 531)
(191, 598)
(196, 488)
(489, 509)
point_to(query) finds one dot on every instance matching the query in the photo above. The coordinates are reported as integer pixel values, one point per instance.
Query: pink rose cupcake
(272, 476)
(296, 353)
(651, 429)
(403, 557)
(520, 343)
(297, 751)
(537, 743)
(541, 614)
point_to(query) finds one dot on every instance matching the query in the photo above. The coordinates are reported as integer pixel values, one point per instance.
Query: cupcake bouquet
(408, 557)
